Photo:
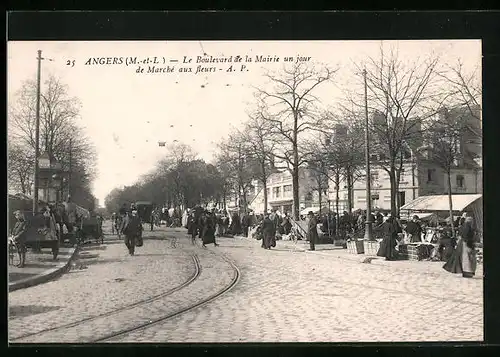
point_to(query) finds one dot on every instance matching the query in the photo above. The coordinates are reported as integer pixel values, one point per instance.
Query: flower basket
(403, 251)
(355, 247)
(417, 252)
(371, 247)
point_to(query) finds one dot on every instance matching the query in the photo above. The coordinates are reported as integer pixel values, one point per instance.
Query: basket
(403, 251)
(371, 247)
(355, 247)
(417, 252)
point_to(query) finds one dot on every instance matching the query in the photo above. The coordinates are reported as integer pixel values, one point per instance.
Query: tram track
(190, 280)
(143, 326)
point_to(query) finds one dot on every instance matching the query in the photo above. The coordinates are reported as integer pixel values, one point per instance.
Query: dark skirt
(269, 241)
(388, 248)
(462, 261)
(209, 236)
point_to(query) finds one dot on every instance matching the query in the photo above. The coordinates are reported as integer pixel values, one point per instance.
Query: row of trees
(60, 136)
(407, 104)
(288, 127)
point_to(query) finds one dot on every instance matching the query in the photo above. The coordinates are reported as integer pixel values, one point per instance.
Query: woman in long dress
(388, 245)
(463, 260)
(268, 233)
(208, 230)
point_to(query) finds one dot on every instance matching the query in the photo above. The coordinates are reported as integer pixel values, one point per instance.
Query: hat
(310, 213)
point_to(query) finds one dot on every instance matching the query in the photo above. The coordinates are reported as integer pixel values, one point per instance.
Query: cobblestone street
(283, 295)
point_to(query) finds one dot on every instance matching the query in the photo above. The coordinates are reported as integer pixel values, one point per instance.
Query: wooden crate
(371, 247)
(355, 247)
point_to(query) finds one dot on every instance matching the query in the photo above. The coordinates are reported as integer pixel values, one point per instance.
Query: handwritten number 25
(70, 63)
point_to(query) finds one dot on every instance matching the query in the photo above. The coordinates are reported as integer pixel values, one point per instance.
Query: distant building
(420, 176)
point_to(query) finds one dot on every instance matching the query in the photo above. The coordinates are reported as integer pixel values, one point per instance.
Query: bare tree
(20, 164)
(260, 147)
(291, 106)
(234, 155)
(60, 134)
(444, 137)
(402, 95)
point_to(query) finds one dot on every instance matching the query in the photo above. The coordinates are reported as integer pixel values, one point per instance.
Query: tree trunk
(245, 200)
(349, 190)
(265, 196)
(392, 179)
(295, 167)
(295, 188)
(450, 200)
(320, 196)
(337, 189)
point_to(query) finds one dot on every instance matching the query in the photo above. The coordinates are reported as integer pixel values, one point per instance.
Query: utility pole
(37, 133)
(368, 230)
(70, 165)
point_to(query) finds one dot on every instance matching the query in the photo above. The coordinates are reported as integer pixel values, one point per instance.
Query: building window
(276, 192)
(373, 157)
(382, 157)
(460, 181)
(308, 196)
(430, 175)
(287, 190)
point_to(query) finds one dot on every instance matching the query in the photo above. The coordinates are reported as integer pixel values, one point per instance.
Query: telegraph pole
(37, 133)
(368, 230)
(70, 166)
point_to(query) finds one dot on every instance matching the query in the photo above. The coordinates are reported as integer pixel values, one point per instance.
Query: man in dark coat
(268, 233)
(245, 224)
(131, 228)
(312, 231)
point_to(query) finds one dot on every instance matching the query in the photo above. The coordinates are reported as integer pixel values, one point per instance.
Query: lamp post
(37, 134)
(368, 230)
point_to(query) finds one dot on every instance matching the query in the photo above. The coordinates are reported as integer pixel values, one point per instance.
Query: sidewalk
(423, 266)
(40, 268)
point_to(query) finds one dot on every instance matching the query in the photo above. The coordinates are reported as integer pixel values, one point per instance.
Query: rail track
(189, 281)
(143, 326)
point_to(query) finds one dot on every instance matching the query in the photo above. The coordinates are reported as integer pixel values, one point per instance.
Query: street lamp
(37, 132)
(368, 230)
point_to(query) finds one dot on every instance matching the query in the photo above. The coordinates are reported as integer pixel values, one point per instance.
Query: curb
(45, 276)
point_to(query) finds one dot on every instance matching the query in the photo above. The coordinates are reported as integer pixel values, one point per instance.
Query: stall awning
(305, 211)
(441, 203)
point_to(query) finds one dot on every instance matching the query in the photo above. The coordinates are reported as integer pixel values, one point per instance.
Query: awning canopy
(441, 203)
(421, 215)
(305, 211)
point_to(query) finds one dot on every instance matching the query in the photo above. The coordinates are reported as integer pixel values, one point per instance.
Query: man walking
(312, 231)
(131, 228)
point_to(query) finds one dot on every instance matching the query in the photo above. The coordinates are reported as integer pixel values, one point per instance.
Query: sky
(126, 114)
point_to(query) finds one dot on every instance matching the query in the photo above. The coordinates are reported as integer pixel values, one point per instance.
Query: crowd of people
(208, 224)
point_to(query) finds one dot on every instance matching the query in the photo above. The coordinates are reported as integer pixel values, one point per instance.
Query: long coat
(268, 232)
(313, 230)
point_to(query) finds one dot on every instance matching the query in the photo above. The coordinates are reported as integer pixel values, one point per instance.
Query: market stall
(433, 212)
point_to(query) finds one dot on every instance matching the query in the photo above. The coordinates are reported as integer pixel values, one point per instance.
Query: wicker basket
(355, 247)
(403, 251)
(417, 252)
(371, 247)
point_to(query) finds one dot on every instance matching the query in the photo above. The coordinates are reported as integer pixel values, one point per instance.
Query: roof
(441, 203)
